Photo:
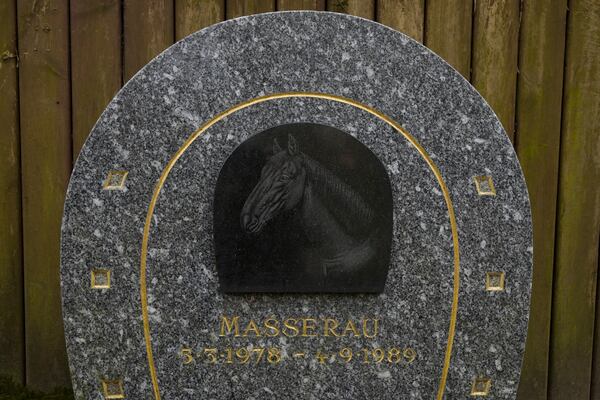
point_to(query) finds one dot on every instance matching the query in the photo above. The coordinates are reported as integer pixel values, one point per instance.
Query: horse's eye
(284, 177)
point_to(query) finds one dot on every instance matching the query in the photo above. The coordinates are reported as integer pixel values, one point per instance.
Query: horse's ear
(276, 147)
(292, 146)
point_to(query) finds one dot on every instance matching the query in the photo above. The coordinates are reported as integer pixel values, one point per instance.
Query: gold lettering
(188, 356)
(290, 324)
(350, 327)
(375, 328)
(229, 326)
(272, 327)
(330, 329)
(305, 327)
(308, 324)
(252, 327)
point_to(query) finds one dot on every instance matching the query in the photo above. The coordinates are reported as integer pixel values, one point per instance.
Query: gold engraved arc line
(262, 99)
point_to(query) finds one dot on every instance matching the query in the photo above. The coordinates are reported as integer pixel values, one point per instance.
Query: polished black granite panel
(312, 216)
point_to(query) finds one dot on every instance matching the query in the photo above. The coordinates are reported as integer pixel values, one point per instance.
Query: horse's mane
(346, 205)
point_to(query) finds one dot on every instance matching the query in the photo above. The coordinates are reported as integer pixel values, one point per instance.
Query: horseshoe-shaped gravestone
(296, 206)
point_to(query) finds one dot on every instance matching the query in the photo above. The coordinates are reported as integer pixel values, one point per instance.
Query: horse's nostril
(245, 220)
(249, 223)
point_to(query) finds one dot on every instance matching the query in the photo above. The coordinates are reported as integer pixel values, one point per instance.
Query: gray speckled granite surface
(240, 60)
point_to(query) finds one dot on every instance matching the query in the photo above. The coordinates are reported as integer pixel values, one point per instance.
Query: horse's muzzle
(250, 224)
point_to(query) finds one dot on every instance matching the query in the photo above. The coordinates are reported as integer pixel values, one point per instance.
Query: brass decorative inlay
(494, 281)
(481, 387)
(113, 389)
(100, 278)
(426, 157)
(485, 185)
(115, 180)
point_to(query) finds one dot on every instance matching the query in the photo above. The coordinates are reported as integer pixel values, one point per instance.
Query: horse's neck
(344, 204)
(334, 216)
(320, 225)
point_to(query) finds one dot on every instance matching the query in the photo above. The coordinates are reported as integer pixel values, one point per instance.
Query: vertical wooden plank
(360, 8)
(46, 163)
(448, 32)
(578, 208)
(285, 5)
(494, 56)
(238, 8)
(193, 15)
(539, 100)
(12, 362)
(95, 62)
(148, 30)
(406, 16)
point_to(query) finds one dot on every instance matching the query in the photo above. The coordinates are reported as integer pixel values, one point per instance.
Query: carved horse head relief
(281, 187)
(330, 222)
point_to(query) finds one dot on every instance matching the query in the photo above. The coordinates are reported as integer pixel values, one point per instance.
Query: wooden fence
(537, 62)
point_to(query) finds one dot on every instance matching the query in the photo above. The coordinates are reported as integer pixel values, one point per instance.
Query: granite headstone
(296, 205)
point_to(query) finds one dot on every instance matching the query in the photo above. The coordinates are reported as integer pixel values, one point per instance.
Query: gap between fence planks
(595, 389)
(45, 121)
(12, 340)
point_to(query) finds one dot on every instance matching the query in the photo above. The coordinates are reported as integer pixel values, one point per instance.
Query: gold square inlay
(113, 389)
(115, 180)
(485, 185)
(481, 387)
(100, 278)
(494, 281)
